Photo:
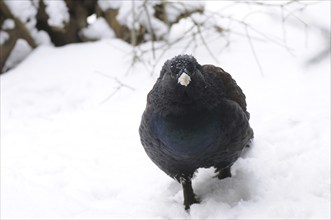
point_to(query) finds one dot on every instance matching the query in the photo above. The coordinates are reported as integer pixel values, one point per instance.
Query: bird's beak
(184, 79)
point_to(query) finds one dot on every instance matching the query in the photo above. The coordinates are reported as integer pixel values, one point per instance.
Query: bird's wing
(232, 90)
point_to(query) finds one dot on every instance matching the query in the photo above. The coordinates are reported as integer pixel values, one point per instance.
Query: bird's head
(182, 71)
(182, 79)
(184, 85)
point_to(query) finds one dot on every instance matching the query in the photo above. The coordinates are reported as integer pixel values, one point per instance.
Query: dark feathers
(195, 117)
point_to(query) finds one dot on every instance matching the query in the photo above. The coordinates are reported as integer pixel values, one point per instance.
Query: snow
(142, 16)
(8, 24)
(21, 50)
(174, 9)
(4, 36)
(57, 12)
(70, 146)
(105, 5)
(92, 18)
(99, 29)
(24, 10)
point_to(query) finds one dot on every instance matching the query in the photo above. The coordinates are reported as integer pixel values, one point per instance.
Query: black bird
(195, 117)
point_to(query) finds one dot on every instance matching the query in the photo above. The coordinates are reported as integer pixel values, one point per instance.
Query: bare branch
(133, 30)
(253, 51)
(205, 44)
(119, 87)
(150, 27)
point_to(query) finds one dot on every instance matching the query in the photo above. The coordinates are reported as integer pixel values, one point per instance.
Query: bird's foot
(189, 196)
(190, 201)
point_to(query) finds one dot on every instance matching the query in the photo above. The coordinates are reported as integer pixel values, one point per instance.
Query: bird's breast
(187, 134)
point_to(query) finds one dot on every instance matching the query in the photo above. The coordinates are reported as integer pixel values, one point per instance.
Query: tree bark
(19, 31)
(78, 11)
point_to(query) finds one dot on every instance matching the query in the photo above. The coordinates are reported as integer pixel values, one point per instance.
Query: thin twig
(292, 14)
(150, 27)
(120, 86)
(133, 30)
(253, 51)
(204, 42)
(196, 33)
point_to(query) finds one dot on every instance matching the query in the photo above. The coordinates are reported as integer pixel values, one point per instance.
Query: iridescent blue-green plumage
(200, 124)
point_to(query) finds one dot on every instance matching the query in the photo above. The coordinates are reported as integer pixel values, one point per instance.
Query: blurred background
(25, 25)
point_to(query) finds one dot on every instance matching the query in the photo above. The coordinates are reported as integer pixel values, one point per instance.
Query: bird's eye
(173, 69)
(176, 68)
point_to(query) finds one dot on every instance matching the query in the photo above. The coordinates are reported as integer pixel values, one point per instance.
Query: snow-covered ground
(70, 146)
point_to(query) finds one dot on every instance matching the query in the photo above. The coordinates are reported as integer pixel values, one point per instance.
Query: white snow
(105, 5)
(24, 10)
(174, 9)
(99, 29)
(57, 12)
(142, 15)
(91, 19)
(70, 147)
(8, 24)
(21, 50)
(4, 36)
